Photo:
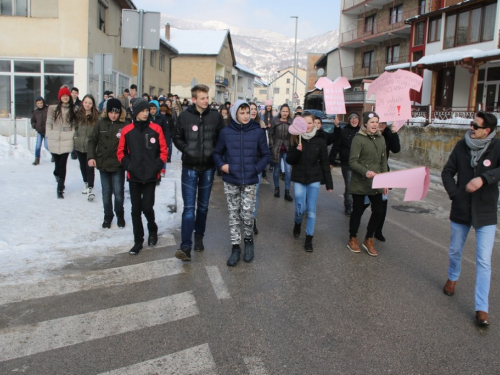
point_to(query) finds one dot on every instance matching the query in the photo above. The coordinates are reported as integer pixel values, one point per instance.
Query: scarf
(310, 135)
(477, 147)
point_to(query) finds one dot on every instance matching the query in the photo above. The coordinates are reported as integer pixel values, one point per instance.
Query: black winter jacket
(342, 143)
(103, 143)
(311, 164)
(196, 136)
(39, 118)
(278, 136)
(391, 143)
(142, 151)
(478, 208)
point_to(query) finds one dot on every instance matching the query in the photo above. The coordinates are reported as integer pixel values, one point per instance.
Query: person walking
(367, 158)
(156, 117)
(166, 111)
(196, 133)
(102, 154)
(86, 118)
(142, 152)
(342, 146)
(244, 146)
(39, 122)
(60, 128)
(308, 156)
(279, 142)
(475, 161)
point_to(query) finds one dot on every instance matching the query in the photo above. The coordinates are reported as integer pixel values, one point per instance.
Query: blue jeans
(112, 183)
(485, 239)
(195, 183)
(276, 172)
(306, 197)
(39, 139)
(257, 196)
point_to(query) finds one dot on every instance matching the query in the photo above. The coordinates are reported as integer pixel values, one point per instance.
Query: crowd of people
(131, 136)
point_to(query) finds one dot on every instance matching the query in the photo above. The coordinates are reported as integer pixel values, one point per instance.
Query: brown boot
(368, 245)
(449, 288)
(353, 245)
(482, 318)
(37, 161)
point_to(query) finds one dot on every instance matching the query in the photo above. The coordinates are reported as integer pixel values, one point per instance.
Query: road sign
(295, 96)
(150, 29)
(103, 67)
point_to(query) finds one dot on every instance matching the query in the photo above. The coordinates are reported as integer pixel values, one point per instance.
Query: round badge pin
(487, 163)
(195, 128)
(152, 140)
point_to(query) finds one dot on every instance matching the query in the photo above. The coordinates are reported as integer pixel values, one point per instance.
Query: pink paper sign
(416, 181)
(392, 95)
(333, 94)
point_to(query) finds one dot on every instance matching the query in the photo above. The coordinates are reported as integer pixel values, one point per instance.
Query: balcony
(358, 6)
(374, 69)
(221, 81)
(376, 32)
(356, 97)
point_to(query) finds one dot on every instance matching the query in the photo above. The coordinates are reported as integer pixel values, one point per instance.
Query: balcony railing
(220, 80)
(357, 97)
(375, 68)
(350, 3)
(379, 27)
(447, 115)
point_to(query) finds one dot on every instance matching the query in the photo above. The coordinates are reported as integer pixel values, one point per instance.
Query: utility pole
(294, 60)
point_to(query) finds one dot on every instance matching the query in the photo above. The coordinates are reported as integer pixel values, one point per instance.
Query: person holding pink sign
(367, 158)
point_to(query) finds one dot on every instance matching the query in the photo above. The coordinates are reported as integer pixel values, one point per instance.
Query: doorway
(444, 91)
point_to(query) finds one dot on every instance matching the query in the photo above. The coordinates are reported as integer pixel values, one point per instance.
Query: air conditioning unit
(357, 89)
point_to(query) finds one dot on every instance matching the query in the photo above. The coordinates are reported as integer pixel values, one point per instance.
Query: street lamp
(295, 59)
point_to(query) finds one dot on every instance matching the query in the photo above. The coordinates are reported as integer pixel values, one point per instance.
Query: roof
(126, 4)
(197, 42)
(259, 81)
(399, 66)
(444, 57)
(320, 61)
(288, 72)
(169, 45)
(243, 68)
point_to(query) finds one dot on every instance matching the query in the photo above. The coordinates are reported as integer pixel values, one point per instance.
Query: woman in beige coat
(60, 131)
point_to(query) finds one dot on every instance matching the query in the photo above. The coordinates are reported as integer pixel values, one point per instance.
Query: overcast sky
(315, 17)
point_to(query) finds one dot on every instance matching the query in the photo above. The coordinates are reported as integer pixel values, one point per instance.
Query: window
(419, 33)
(262, 92)
(370, 24)
(101, 17)
(396, 14)
(434, 30)
(421, 6)
(160, 91)
(288, 80)
(14, 8)
(368, 62)
(152, 58)
(123, 83)
(417, 55)
(250, 82)
(472, 26)
(151, 90)
(161, 66)
(276, 90)
(287, 91)
(393, 54)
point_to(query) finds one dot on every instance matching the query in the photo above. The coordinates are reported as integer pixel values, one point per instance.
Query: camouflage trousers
(240, 204)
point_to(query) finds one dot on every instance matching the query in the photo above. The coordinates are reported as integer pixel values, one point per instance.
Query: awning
(398, 66)
(457, 56)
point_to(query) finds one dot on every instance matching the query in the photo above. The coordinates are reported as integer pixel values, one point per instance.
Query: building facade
(281, 87)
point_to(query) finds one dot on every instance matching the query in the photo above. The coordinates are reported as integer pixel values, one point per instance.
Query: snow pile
(453, 123)
(417, 121)
(40, 234)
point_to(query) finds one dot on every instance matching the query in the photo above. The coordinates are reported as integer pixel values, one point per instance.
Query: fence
(440, 115)
(11, 128)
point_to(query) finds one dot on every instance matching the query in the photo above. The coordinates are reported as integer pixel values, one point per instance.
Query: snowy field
(39, 234)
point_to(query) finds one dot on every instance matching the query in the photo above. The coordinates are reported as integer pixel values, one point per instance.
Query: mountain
(263, 51)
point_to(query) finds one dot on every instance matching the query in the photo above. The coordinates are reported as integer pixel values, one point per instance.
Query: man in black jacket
(195, 135)
(474, 195)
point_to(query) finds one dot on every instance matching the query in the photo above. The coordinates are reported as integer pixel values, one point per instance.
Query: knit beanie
(368, 115)
(353, 115)
(139, 105)
(113, 105)
(268, 102)
(63, 91)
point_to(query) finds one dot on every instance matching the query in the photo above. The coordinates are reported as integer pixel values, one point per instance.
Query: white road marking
(35, 338)
(218, 283)
(195, 360)
(106, 278)
(255, 366)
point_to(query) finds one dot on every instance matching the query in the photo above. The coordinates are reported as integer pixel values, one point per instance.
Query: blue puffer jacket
(246, 151)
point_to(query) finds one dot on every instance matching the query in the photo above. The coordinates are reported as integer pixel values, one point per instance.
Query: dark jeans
(112, 183)
(60, 162)
(88, 173)
(358, 208)
(195, 183)
(380, 225)
(347, 173)
(142, 197)
(169, 145)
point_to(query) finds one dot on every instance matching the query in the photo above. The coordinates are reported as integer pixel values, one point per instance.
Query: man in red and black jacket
(142, 152)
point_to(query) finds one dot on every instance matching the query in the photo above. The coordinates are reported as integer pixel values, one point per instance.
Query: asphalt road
(288, 312)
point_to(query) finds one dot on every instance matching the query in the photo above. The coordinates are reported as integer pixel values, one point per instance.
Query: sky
(316, 18)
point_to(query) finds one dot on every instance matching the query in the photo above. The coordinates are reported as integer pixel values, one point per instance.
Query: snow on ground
(40, 234)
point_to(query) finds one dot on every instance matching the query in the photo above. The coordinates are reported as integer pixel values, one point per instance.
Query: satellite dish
(320, 72)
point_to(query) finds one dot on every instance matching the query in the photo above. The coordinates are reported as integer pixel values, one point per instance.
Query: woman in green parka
(366, 159)
(86, 118)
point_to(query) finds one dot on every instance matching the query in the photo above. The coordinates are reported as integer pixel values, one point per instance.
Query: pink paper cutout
(333, 94)
(392, 94)
(416, 181)
(298, 126)
(396, 125)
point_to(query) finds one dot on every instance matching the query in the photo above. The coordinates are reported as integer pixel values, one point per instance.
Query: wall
(185, 68)
(333, 65)
(153, 76)
(312, 58)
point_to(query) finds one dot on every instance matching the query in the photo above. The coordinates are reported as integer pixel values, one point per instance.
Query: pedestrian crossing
(19, 342)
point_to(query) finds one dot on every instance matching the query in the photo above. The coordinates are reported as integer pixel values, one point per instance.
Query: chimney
(167, 31)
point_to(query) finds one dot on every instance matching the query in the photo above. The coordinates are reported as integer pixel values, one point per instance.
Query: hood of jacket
(157, 105)
(246, 127)
(44, 104)
(192, 109)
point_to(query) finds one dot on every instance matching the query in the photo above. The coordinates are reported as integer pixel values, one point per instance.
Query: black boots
(277, 192)
(235, 256)
(135, 249)
(107, 222)
(37, 161)
(264, 174)
(248, 255)
(296, 230)
(60, 194)
(120, 220)
(255, 230)
(288, 197)
(183, 254)
(152, 239)
(198, 243)
(308, 245)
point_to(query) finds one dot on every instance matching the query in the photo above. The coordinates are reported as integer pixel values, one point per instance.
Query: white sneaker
(91, 196)
(85, 189)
